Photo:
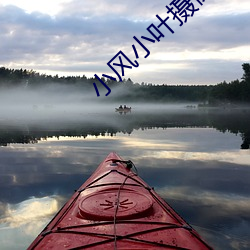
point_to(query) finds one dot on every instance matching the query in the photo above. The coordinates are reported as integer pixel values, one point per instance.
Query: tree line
(31, 79)
(236, 91)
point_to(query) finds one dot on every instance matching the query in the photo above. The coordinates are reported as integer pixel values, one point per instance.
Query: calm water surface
(193, 159)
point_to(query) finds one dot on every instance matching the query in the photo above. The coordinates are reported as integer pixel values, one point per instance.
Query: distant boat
(125, 110)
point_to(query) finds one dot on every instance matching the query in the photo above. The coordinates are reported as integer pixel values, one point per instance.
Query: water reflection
(111, 123)
(21, 221)
(195, 166)
(33, 209)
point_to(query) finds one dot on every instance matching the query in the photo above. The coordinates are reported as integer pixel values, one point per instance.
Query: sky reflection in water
(199, 171)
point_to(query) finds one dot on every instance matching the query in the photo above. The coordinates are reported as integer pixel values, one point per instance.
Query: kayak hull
(116, 209)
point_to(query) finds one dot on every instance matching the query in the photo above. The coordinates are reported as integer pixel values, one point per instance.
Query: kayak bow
(116, 209)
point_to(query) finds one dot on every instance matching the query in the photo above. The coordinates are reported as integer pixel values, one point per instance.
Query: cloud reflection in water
(198, 171)
(21, 222)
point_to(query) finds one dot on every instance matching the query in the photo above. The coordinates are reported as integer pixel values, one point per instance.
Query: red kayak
(116, 209)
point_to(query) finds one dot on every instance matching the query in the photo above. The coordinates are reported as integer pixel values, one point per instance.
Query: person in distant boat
(120, 107)
(125, 106)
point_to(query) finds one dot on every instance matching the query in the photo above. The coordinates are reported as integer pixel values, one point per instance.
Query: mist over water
(48, 102)
(64, 103)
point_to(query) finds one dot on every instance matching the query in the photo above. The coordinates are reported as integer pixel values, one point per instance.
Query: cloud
(43, 40)
(129, 9)
(84, 35)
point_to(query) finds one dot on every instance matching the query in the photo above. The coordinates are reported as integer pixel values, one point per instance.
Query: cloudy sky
(76, 37)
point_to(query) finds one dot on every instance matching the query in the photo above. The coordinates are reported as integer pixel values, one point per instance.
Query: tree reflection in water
(234, 121)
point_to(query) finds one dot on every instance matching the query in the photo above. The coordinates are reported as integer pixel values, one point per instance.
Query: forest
(234, 92)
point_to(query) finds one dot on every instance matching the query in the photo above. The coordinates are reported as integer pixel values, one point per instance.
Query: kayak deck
(116, 209)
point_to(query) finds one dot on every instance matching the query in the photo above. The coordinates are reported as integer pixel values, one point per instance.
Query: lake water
(197, 160)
